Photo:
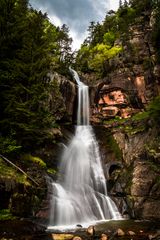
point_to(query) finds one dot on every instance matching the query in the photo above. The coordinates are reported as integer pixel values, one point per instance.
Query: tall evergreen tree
(28, 50)
(120, 3)
(64, 41)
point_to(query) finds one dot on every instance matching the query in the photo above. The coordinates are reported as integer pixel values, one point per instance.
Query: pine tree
(125, 3)
(64, 42)
(120, 4)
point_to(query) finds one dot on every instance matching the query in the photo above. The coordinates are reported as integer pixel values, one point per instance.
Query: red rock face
(113, 103)
(141, 88)
(113, 98)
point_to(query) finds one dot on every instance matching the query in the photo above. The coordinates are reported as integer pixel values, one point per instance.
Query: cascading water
(81, 196)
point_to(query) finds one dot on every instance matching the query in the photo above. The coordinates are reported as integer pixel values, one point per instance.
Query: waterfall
(80, 193)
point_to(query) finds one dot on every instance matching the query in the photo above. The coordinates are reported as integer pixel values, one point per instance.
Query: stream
(120, 229)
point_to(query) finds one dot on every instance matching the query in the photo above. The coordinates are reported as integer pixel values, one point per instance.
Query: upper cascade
(83, 100)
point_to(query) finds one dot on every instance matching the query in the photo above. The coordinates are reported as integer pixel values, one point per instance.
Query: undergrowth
(5, 214)
(10, 173)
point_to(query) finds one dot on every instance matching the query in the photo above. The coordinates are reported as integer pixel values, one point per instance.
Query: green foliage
(33, 159)
(125, 16)
(97, 50)
(92, 55)
(116, 26)
(11, 175)
(64, 43)
(5, 214)
(141, 6)
(109, 38)
(82, 58)
(100, 54)
(8, 145)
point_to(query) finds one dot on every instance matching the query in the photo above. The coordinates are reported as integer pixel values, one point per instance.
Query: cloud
(77, 14)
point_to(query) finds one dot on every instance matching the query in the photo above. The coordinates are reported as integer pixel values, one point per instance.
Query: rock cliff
(139, 178)
(132, 77)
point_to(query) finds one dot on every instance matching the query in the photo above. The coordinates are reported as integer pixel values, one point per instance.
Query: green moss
(37, 160)
(140, 116)
(132, 130)
(6, 215)
(153, 147)
(51, 171)
(111, 142)
(115, 120)
(10, 173)
(132, 125)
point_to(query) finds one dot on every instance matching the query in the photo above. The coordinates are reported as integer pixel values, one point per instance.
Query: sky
(76, 14)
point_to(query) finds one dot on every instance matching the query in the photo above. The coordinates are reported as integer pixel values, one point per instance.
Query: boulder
(120, 232)
(91, 230)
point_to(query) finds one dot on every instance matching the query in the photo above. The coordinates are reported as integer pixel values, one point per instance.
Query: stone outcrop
(68, 93)
(137, 184)
(145, 191)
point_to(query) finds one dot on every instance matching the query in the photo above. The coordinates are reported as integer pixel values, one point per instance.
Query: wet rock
(155, 235)
(91, 230)
(151, 209)
(120, 232)
(68, 91)
(104, 237)
(141, 185)
(131, 145)
(144, 191)
(62, 236)
(76, 238)
(131, 233)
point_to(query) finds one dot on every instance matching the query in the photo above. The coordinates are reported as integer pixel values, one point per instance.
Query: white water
(80, 194)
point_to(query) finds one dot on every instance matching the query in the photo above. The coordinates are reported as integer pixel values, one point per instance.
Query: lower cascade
(80, 193)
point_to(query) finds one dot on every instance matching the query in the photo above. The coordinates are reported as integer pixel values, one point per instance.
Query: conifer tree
(28, 50)
(120, 3)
